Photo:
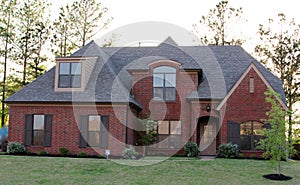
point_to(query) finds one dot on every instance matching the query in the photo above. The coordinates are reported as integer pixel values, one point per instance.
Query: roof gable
(236, 85)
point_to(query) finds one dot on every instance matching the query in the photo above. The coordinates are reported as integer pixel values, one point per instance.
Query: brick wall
(186, 82)
(65, 132)
(244, 106)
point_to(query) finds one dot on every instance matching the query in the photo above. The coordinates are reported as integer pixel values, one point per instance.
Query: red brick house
(91, 100)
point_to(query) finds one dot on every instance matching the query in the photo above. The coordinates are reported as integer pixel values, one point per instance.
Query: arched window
(251, 132)
(164, 83)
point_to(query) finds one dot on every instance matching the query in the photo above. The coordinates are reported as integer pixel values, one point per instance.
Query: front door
(206, 136)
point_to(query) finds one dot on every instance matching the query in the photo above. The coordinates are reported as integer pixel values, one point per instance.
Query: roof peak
(169, 41)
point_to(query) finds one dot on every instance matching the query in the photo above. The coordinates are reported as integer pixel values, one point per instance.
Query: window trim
(167, 135)
(251, 85)
(97, 131)
(83, 73)
(252, 139)
(70, 75)
(164, 87)
(39, 130)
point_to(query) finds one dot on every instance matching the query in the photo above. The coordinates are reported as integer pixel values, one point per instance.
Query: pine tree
(7, 12)
(215, 28)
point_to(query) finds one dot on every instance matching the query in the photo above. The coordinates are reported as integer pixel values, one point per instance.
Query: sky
(184, 14)
(180, 15)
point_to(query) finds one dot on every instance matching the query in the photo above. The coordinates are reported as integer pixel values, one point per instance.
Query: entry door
(207, 138)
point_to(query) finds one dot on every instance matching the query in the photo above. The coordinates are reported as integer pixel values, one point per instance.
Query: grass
(57, 170)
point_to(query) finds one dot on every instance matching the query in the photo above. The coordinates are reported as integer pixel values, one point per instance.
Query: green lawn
(46, 170)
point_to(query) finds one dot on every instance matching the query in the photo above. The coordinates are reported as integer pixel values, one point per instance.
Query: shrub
(228, 150)
(15, 148)
(101, 156)
(241, 155)
(82, 154)
(191, 149)
(64, 151)
(43, 152)
(129, 153)
(253, 156)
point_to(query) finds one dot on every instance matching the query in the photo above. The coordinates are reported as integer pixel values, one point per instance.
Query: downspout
(126, 131)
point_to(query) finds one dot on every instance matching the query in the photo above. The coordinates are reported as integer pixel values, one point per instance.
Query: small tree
(275, 144)
(148, 133)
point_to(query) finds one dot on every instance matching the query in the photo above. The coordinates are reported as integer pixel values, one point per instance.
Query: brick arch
(159, 63)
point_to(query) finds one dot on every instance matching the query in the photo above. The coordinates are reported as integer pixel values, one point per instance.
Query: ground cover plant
(179, 170)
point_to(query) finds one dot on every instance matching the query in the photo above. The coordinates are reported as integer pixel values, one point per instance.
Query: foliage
(191, 148)
(218, 23)
(82, 154)
(7, 11)
(148, 133)
(43, 152)
(64, 151)
(15, 148)
(77, 24)
(129, 153)
(296, 139)
(228, 150)
(32, 32)
(275, 144)
(280, 52)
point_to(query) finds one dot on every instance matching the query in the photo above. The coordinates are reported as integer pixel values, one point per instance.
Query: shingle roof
(110, 80)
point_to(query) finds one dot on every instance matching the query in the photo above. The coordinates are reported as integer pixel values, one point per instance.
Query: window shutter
(28, 130)
(104, 132)
(83, 136)
(48, 130)
(234, 132)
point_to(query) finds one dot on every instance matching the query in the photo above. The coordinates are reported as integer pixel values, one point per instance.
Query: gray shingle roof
(110, 81)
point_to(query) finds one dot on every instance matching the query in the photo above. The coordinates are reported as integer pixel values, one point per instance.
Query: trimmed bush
(43, 152)
(129, 153)
(191, 149)
(15, 148)
(82, 154)
(228, 150)
(64, 151)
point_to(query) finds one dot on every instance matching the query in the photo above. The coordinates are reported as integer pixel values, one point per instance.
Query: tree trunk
(5, 70)
(278, 169)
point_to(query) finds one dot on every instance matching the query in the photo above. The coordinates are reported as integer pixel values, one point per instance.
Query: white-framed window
(70, 74)
(164, 83)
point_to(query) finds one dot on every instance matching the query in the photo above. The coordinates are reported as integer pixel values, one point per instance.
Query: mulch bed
(277, 177)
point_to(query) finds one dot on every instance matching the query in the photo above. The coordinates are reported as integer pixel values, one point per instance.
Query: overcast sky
(185, 13)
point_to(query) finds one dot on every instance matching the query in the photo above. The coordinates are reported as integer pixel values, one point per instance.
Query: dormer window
(164, 83)
(69, 75)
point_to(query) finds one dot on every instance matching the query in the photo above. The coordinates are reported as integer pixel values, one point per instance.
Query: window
(250, 134)
(69, 75)
(93, 131)
(251, 85)
(164, 83)
(169, 134)
(38, 130)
